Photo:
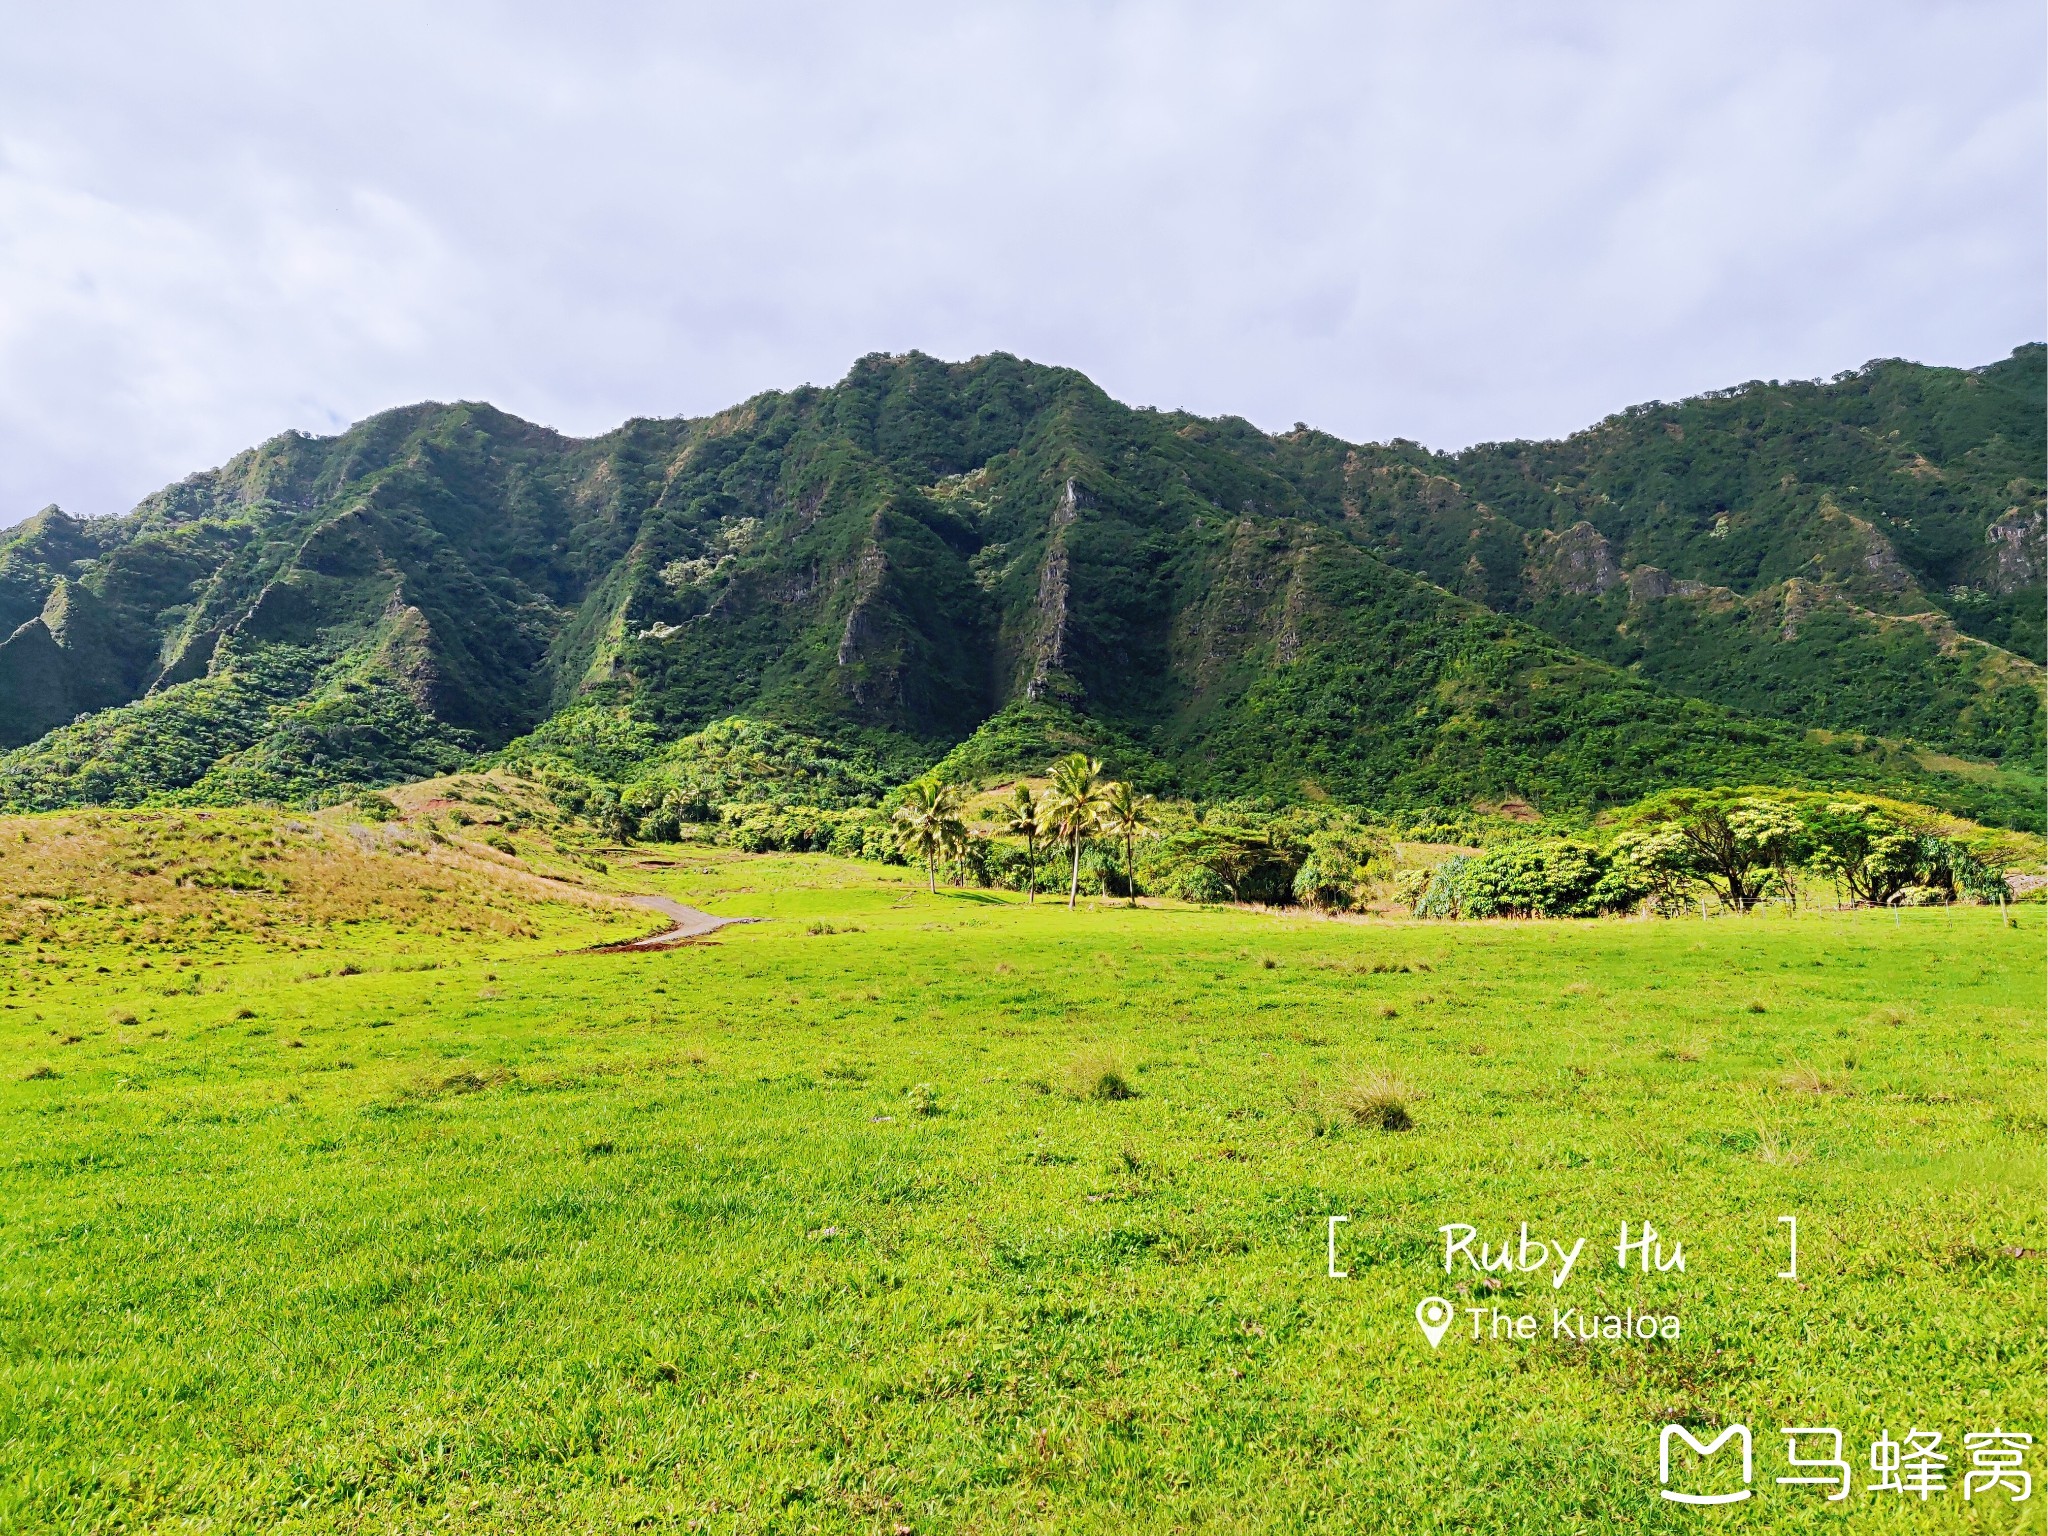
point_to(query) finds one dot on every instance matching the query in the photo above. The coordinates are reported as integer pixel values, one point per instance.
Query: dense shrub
(1245, 859)
(1342, 861)
(1442, 892)
(600, 741)
(1740, 845)
(1543, 877)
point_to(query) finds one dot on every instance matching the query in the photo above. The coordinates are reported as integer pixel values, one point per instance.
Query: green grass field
(401, 1218)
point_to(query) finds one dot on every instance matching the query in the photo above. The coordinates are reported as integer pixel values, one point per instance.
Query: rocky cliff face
(2017, 540)
(1578, 562)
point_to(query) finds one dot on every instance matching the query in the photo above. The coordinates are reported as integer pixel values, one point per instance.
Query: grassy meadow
(342, 1189)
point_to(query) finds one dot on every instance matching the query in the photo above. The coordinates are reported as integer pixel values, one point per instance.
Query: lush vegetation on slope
(991, 557)
(1792, 654)
(261, 728)
(1748, 546)
(1414, 700)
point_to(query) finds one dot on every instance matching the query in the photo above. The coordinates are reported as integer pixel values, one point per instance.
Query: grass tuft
(1379, 1101)
(1776, 1150)
(466, 1082)
(1099, 1079)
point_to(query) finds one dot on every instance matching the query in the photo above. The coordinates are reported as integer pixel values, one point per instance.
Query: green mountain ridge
(985, 558)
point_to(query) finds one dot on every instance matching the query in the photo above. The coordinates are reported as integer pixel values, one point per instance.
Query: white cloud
(1450, 222)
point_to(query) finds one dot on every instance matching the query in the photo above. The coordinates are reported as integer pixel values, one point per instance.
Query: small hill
(174, 880)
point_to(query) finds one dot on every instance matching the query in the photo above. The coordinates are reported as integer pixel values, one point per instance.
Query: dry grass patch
(1099, 1078)
(146, 878)
(462, 1082)
(1807, 1079)
(1379, 1101)
(1776, 1150)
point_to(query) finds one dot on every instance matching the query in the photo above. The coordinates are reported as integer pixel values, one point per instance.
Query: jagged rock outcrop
(2016, 540)
(1795, 600)
(871, 677)
(1578, 561)
(1860, 556)
(1648, 584)
(868, 572)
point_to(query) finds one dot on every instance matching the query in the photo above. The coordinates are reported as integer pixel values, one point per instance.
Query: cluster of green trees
(1742, 846)
(1079, 804)
(766, 788)
(1101, 835)
(762, 786)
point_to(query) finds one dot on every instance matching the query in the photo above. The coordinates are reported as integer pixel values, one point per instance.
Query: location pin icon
(1434, 1314)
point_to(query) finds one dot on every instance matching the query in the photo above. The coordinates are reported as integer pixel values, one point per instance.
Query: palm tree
(1024, 821)
(928, 824)
(1127, 814)
(1073, 808)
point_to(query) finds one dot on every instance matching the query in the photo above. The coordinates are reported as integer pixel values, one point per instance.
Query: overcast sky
(1445, 222)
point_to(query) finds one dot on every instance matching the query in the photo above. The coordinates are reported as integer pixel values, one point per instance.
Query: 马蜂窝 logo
(1739, 1432)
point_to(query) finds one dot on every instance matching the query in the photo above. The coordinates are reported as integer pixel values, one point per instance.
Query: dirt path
(690, 923)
